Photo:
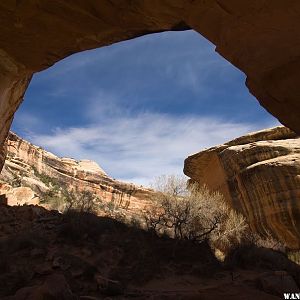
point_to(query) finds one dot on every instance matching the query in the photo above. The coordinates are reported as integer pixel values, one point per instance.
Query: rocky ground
(48, 255)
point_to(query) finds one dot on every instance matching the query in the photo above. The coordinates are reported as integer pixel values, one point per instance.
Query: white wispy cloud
(138, 148)
(121, 93)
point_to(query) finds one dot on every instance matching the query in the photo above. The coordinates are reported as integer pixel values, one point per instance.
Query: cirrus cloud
(138, 148)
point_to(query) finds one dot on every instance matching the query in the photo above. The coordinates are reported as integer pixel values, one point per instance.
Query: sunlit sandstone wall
(259, 175)
(30, 162)
(261, 38)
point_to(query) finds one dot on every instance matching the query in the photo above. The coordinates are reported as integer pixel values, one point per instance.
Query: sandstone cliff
(261, 38)
(30, 174)
(259, 174)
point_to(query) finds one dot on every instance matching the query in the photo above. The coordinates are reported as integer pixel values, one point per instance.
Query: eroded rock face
(18, 195)
(259, 174)
(261, 38)
(31, 173)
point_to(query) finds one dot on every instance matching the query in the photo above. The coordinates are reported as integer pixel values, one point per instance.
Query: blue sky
(139, 107)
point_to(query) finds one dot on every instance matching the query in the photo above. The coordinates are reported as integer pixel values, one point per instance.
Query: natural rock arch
(260, 37)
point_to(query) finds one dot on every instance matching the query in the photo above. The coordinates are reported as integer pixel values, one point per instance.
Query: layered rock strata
(30, 173)
(261, 38)
(259, 175)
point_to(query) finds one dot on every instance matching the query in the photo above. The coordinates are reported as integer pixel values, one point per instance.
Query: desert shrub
(56, 202)
(61, 199)
(267, 240)
(82, 201)
(16, 181)
(47, 180)
(55, 187)
(193, 213)
(294, 256)
(55, 198)
(111, 208)
(129, 254)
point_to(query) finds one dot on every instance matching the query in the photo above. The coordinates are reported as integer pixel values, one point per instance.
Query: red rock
(259, 175)
(261, 38)
(42, 170)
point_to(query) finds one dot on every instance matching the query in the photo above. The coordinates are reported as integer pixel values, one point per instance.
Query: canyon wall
(261, 38)
(259, 175)
(30, 174)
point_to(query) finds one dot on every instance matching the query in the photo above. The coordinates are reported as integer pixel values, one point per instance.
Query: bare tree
(193, 212)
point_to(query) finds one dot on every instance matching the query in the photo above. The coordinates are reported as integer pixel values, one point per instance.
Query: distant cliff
(31, 174)
(259, 175)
